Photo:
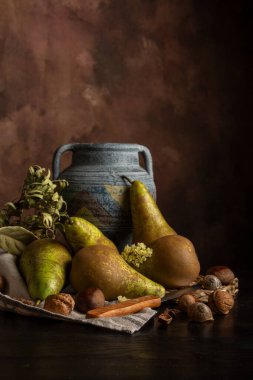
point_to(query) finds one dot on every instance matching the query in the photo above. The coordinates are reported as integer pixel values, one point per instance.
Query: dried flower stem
(40, 209)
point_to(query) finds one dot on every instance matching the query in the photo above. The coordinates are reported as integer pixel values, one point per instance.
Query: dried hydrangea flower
(136, 254)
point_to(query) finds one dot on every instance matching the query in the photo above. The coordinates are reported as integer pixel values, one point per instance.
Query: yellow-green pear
(170, 260)
(80, 233)
(103, 267)
(148, 221)
(45, 265)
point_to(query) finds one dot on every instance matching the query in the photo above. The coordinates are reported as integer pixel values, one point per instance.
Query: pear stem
(128, 179)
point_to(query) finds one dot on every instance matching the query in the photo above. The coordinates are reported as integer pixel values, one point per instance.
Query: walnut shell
(224, 274)
(61, 303)
(199, 312)
(25, 301)
(220, 301)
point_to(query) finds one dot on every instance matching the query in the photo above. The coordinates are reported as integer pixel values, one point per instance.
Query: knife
(134, 305)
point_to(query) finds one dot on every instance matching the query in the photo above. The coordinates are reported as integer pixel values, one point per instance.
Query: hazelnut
(185, 300)
(199, 312)
(220, 301)
(211, 282)
(89, 299)
(224, 274)
(61, 303)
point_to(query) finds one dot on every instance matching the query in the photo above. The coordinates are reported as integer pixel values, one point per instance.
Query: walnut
(220, 301)
(61, 303)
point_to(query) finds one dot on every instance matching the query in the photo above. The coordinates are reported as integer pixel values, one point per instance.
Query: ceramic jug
(97, 188)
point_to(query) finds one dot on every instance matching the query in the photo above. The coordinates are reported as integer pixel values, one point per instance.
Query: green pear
(148, 221)
(103, 267)
(45, 264)
(80, 233)
(173, 263)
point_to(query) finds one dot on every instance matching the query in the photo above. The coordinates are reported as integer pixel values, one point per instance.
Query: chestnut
(89, 299)
(224, 274)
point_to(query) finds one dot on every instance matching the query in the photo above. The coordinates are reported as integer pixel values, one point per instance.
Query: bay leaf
(14, 239)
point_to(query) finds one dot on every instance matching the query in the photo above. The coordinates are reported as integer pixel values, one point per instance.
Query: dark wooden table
(48, 349)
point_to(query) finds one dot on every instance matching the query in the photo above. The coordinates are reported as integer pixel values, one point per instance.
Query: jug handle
(147, 159)
(57, 157)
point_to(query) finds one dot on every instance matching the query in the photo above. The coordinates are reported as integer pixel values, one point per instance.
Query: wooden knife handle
(126, 307)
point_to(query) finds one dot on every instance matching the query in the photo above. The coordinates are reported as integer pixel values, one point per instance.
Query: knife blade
(176, 293)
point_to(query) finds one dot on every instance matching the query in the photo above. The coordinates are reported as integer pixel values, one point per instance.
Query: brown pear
(148, 221)
(174, 262)
(103, 267)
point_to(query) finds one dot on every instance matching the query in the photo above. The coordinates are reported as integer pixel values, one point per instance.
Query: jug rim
(108, 145)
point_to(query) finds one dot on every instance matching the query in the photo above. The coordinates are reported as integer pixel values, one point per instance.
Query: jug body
(97, 189)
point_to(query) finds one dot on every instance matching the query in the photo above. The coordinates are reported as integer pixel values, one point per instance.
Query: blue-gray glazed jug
(97, 189)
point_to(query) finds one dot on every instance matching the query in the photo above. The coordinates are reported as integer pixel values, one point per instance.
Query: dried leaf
(13, 239)
(10, 204)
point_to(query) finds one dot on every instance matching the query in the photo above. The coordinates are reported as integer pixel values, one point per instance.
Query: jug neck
(105, 157)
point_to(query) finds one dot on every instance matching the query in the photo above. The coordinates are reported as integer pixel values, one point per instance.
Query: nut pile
(219, 288)
(84, 301)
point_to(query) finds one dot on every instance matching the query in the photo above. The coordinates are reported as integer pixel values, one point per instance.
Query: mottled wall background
(171, 75)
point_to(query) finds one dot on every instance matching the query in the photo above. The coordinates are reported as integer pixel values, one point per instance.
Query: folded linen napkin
(17, 289)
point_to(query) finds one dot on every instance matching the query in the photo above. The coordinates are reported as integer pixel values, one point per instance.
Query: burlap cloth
(17, 289)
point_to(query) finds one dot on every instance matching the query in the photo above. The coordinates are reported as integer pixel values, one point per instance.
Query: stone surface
(169, 75)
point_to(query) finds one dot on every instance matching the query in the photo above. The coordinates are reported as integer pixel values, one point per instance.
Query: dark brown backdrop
(171, 75)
